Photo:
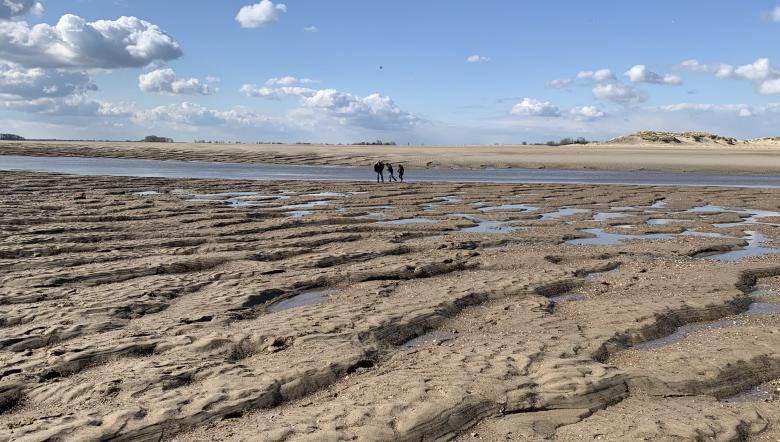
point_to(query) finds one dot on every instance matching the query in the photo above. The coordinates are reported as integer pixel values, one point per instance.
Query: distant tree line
(11, 137)
(375, 143)
(567, 141)
(156, 139)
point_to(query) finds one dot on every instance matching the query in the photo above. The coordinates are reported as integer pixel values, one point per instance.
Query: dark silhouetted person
(390, 176)
(379, 168)
(401, 172)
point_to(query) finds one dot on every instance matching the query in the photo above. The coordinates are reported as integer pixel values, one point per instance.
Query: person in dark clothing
(391, 177)
(379, 168)
(401, 172)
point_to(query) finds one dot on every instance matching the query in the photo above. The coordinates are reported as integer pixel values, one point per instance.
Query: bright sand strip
(743, 158)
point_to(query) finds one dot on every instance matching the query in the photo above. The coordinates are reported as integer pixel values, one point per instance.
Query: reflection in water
(308, 298)
(489, 226)
(753, 249)
(569, 297)
(658, 204)
(509, 207)
(563, 213)
(603, 238)
(409, 221)
(682, 332)
(763, 392)
(665, 221)
(605, 216)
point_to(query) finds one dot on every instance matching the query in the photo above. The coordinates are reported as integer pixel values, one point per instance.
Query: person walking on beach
(390, 176)
(379, 168)
(401, 172)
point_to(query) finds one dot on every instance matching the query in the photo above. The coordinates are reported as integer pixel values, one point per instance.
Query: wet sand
(744, 158)
(150, 308)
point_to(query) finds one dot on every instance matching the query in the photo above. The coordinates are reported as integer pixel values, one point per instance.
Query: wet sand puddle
(749, 216)
(665, 221)
(432, 337)
(658, 204)
(682, 332)
(561, 213)
(755, 309)
(626, 209)
(235, 199)
(763, 308)
(764, 290)
(448, 199)
(606, 216)
(754, 248)
(568, 297)
(489, 226)
(602, 238)
(761, 393)
(407, 221)
(330, 194)
(439, 201)
(709, 208)
(371, 215)
(309, 205)
(302, 209)
(595, 275)
(509, 208)
(705, 234)
(307, 298)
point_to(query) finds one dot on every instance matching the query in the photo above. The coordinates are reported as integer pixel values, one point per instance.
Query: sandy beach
(149, 309)
(743, 158)
(272, 221)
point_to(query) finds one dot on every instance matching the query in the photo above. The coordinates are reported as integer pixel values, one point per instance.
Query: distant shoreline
(743, 159)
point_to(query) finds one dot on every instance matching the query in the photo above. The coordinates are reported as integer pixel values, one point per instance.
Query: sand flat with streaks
(174, 309)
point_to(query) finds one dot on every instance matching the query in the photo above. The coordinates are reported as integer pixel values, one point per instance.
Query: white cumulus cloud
(761, 73)
(742, 110)
(70, 106)
(373, 111)
(598, 75)
(289, 80)
(774, 15)
(559, 83)
(720, 70)
(586, 113)
(194, 115)
(16, 8)
(477, 59)
(640, 74)
(310, 29)
(536, 108)
(770, 87)
(260, 14)
(165, 81)
(21, 83)
(276, 93)
(618, 93)
(759, 70)
(75, 43)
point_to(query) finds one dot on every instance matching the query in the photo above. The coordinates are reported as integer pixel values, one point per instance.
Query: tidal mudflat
(181, 309)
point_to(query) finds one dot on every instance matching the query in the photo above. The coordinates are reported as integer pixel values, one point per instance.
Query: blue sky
(451, 71)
